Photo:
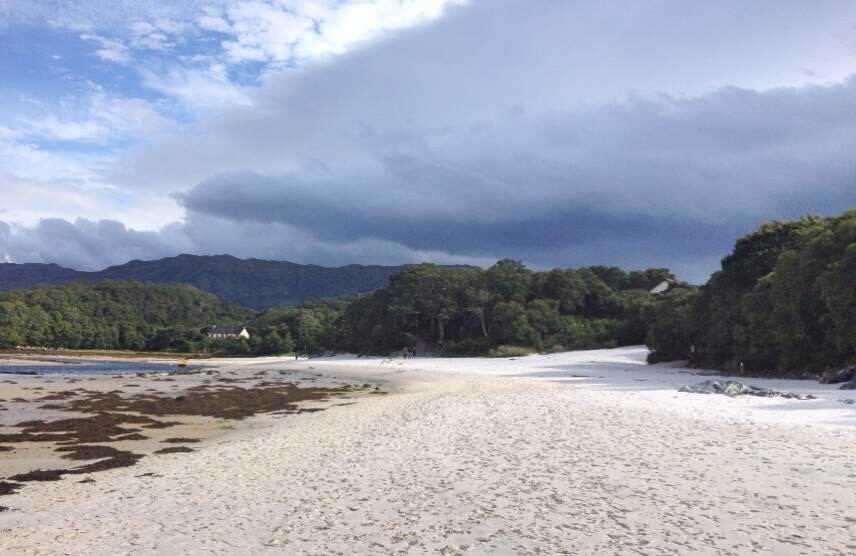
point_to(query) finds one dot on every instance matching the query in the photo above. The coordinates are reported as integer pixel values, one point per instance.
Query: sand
(42, 415)
(534, 455)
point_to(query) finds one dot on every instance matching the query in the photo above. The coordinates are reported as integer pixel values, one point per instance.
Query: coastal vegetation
(112, 315)
(470, 311)
(784, 302)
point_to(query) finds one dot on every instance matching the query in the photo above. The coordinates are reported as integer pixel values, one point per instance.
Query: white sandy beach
(579, 453)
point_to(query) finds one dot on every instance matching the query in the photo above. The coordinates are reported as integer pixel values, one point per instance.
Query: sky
(634, 133)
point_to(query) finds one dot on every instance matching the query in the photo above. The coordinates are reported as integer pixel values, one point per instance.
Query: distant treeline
(112, 315)
(783, 303)
(506, 309)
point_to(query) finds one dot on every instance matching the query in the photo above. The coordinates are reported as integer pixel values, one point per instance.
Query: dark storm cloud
(309, 206)
(669, 177)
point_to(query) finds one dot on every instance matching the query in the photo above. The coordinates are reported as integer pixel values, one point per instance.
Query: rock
(797, 396)
(732, 389)
(848, 385)
(845, 374)
(728, 388)
(848, 401)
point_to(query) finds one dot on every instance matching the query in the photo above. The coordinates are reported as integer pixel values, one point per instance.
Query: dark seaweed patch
(180, 440)
(9, 488)
(122, 459)
(83, 451)
(174, 450)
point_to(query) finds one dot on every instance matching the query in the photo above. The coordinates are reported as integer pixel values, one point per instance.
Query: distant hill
(15, 276)
(254, 283)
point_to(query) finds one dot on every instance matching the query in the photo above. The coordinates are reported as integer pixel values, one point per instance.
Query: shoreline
(116, 355)
(54, 357)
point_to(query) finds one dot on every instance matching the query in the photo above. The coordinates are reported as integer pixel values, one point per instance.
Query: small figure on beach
(412, 351)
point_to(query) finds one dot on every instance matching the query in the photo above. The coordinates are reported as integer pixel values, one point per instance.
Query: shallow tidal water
(95, 367)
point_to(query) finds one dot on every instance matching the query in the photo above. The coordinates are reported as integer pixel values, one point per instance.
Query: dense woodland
(471, 311)
(112, 315)
(783, 303)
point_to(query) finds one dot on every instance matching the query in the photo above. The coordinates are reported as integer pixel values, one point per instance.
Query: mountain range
(255, 283)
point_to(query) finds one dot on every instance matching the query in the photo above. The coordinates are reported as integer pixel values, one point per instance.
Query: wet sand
(107, 422)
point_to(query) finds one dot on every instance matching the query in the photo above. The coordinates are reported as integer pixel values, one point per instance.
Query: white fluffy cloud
(94, 117)
(111, 50)
(198, 89)
(53, 159)
(303, 30)
(270, 31)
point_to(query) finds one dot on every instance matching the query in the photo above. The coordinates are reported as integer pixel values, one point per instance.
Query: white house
(661, 288)
(229, 333)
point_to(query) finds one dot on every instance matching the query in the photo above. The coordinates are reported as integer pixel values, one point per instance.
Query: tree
(838, 291)
(783, 302)
(543, 316)
(427, 291)
(510, 325)
(287, 344)
(474, 296)
(671, 332)
(271, 344)
(718, 309)
(509, 280)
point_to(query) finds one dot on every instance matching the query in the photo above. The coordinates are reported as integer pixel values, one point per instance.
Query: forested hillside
(784, 302)
(111, 315)
(255, 283)
(15, 276)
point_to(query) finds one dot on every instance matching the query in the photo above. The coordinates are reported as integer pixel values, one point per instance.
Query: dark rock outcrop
(732, 389)
(845, 374)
